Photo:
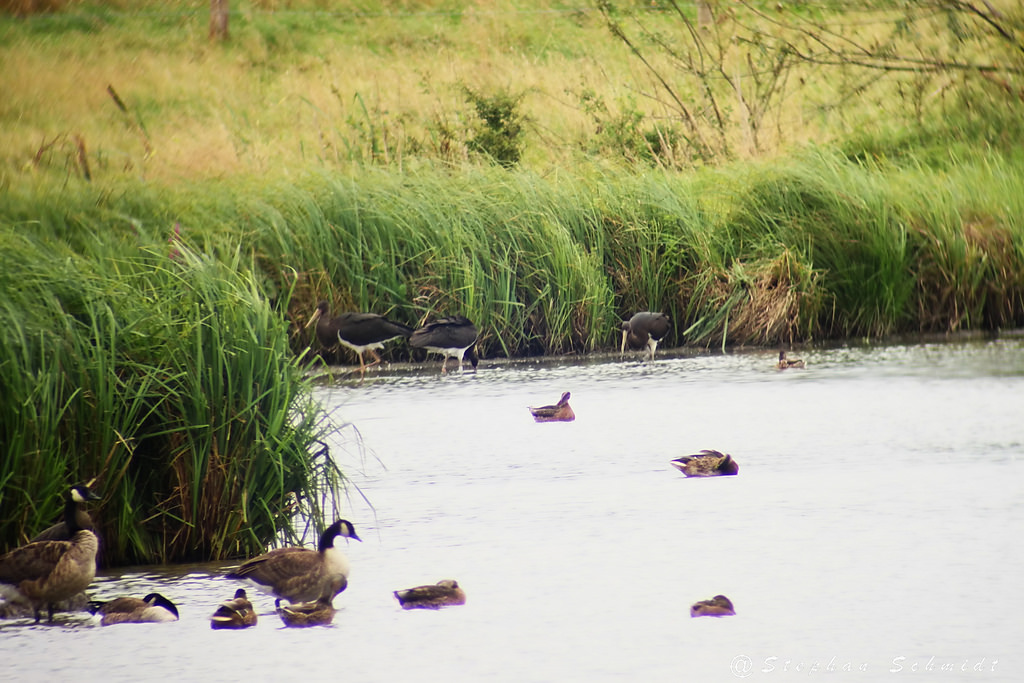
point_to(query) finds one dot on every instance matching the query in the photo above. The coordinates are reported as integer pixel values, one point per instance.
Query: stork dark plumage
(234, 613)
(560, 412)
(644, 330)
(301, 574)
(43, 573)
(718, 606)
(152, 609)
(444, 593)
(316, 613)
(451, 337)
(361, 332)
(707, 463)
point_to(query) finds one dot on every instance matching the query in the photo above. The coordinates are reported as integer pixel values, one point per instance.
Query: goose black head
(343, 528)
(157, 600)
(81, 493)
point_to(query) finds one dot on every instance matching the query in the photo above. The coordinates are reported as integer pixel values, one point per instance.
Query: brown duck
(707, 464)
(718, 606)
(444, 593)
(560, 412)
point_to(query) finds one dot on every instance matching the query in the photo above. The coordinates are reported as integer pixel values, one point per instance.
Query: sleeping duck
(707, 464)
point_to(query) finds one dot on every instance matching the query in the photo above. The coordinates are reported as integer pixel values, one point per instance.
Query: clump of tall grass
(164, 373)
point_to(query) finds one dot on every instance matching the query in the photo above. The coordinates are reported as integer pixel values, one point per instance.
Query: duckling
(301, 574)
(320, 612)
(154, 608)
(451, 337)
(707, 464)
(786, 363)
(234, 613)
(644, 330)
(560, 412)
(45, 572)
(718, 606)
(442, 594)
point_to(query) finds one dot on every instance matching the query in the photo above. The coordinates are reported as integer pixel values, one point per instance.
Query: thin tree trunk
(219, 19)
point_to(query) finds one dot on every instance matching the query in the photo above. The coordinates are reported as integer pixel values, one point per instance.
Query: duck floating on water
(316, 613)
(234, 613)
(444, 593)
(718, 606)
(787, 363)
(43, 573)
(707, 463)
(560, 412)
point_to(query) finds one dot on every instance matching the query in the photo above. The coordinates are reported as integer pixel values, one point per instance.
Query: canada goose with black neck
(152, 609)
(43, 573)
(300, 574)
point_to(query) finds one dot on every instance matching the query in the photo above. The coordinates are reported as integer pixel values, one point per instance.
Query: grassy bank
(171, 210)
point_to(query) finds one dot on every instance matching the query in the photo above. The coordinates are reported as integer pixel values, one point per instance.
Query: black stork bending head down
(644, 329)
(360, 332)
(451, 337)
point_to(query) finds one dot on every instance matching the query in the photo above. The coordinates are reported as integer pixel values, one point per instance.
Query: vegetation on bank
(172, 210)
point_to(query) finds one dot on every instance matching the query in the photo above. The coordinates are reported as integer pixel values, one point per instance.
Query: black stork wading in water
(452, 337)
(361, 332)
(644, 330)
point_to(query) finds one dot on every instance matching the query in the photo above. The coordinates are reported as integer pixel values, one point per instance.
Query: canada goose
(152, 609)
(560, 412)
(319, 612)
(786, 363)
(644, 330)
(442, 594)
(59, 531)
(360, 332)
(451, 337)
(234, 613)
(718, 606)
(301, 574)
(46, 572)
(707, 464)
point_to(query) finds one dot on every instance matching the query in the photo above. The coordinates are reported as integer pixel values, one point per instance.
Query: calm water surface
(875, 525)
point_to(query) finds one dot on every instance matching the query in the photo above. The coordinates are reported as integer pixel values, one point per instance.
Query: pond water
(874, 527)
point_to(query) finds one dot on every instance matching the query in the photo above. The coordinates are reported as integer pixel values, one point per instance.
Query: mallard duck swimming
(451, 337)
(644, 330)
(43, 573)
(301, 574)
(718, 606)
(707, 464)
(317, 613)
(560, 412)
(152, 609)
(442, 594)
(234, 613)
(786, 363)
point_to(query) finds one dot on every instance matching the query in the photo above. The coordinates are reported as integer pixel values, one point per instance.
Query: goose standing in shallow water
(152, 609)
(644, 330)
(707, 464)
(451, 337)
(442, 594)
(560, 412)
(300, 574)
(317, 613)
(787, 363)
(43, 573)
(718, 606)
(361, 332)
(234, 613)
